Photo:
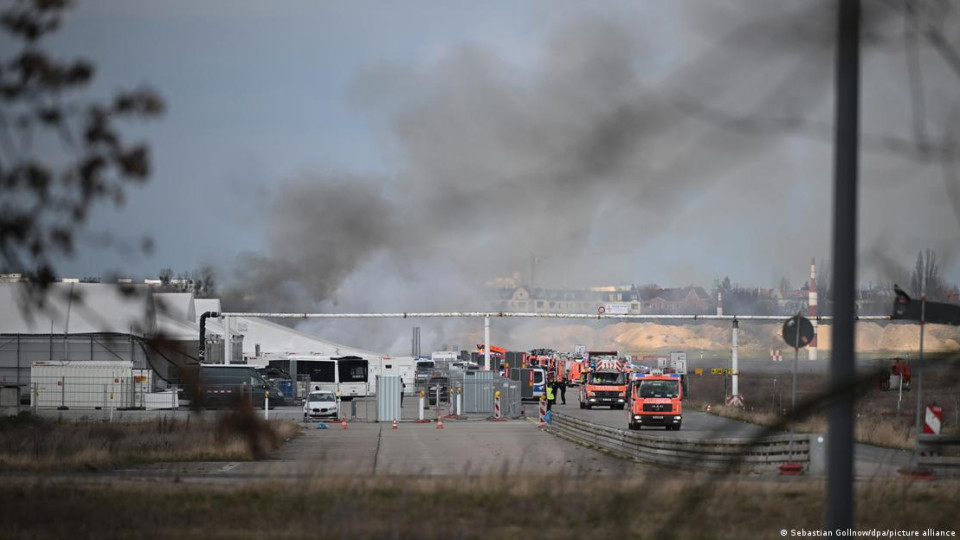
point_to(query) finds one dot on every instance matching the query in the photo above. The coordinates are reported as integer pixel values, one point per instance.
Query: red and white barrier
(775, 355)
(543, 412)
(931, 420)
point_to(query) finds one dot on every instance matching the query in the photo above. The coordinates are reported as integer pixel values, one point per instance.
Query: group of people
(555, 386)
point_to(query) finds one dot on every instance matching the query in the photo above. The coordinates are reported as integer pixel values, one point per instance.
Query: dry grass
(767, 399)
(877, 431)
(30, 443)
(464, 507)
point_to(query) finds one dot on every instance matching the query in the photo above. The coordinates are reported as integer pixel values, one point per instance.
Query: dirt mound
(649, 336)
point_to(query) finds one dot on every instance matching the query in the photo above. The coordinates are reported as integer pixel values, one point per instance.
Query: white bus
(348, 375)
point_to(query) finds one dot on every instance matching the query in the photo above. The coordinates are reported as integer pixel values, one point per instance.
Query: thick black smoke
(594, 149)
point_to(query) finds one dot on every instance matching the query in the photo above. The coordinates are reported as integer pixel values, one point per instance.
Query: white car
(321, 404)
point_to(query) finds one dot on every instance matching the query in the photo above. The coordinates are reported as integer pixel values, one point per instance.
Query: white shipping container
(678, 361)
(404, 366)
(79, 384)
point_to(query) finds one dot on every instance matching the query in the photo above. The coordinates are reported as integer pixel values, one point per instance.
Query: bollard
(420, 419)
(496, 405)
(543, 412)
(266, 405)
(458, 401)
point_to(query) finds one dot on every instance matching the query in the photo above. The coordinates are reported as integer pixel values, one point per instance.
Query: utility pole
(839, 505)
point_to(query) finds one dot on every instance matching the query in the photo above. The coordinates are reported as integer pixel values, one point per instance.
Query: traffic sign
(793, 326)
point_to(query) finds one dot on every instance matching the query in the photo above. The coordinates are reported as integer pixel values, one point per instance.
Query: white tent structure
(278, 341)
(76, 308)
(160, 331)
(74, 321)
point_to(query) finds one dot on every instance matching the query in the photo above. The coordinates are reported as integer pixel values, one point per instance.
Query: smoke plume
(611, 157)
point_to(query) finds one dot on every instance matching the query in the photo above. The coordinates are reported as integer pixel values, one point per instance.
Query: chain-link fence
(479, 391)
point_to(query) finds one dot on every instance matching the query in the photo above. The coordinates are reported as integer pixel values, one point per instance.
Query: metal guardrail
(940, 453)
(713, 455)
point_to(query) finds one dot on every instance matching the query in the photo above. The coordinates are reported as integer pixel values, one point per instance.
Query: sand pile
(649, 336)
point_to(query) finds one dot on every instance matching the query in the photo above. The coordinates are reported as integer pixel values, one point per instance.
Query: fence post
(63, 394)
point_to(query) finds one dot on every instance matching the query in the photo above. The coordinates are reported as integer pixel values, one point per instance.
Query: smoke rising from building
(607, 166)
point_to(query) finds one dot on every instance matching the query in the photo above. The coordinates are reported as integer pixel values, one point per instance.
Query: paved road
(474, 447)
(470, 447)
(695, 424)
(870, 461)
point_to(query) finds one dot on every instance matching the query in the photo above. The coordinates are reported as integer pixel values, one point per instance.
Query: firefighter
(562, 385)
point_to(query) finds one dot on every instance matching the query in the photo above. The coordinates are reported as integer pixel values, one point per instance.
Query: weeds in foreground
(463, 507)
(31, 443)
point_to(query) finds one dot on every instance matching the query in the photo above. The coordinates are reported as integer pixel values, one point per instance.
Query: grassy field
(464, 507)
(31, 443)
(881, 420)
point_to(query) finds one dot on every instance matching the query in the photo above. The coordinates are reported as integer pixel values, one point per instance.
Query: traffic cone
(439, 422)
(343, 422)
(394, 424)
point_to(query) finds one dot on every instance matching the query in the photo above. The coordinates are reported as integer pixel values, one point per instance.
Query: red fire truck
(655, 400)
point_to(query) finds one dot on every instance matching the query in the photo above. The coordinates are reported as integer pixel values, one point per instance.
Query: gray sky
(362, 154)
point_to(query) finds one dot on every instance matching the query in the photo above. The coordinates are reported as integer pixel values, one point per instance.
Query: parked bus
(348, 375)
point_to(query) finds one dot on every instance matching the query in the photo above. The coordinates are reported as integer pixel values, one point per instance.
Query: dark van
(216, 386)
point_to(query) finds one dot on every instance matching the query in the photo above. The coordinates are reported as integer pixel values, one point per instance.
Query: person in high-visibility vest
(550, 396)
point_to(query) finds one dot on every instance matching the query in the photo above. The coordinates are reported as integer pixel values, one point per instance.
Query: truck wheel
(633, 427)
(589, 406)
(676, 427)
(582, 406)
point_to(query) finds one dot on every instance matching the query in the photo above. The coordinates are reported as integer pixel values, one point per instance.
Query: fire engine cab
(655, 400)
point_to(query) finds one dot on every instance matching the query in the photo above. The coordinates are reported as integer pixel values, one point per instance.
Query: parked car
(321, 404)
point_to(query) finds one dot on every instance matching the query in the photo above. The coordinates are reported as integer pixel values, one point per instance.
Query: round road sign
(793, 326)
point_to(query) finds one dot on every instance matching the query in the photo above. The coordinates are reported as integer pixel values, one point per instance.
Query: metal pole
(486, 343)
(227, 349)
(735, 390)
(839, 504)
(796, 356)
(923, 313)
(773, 403)
(900, 397)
